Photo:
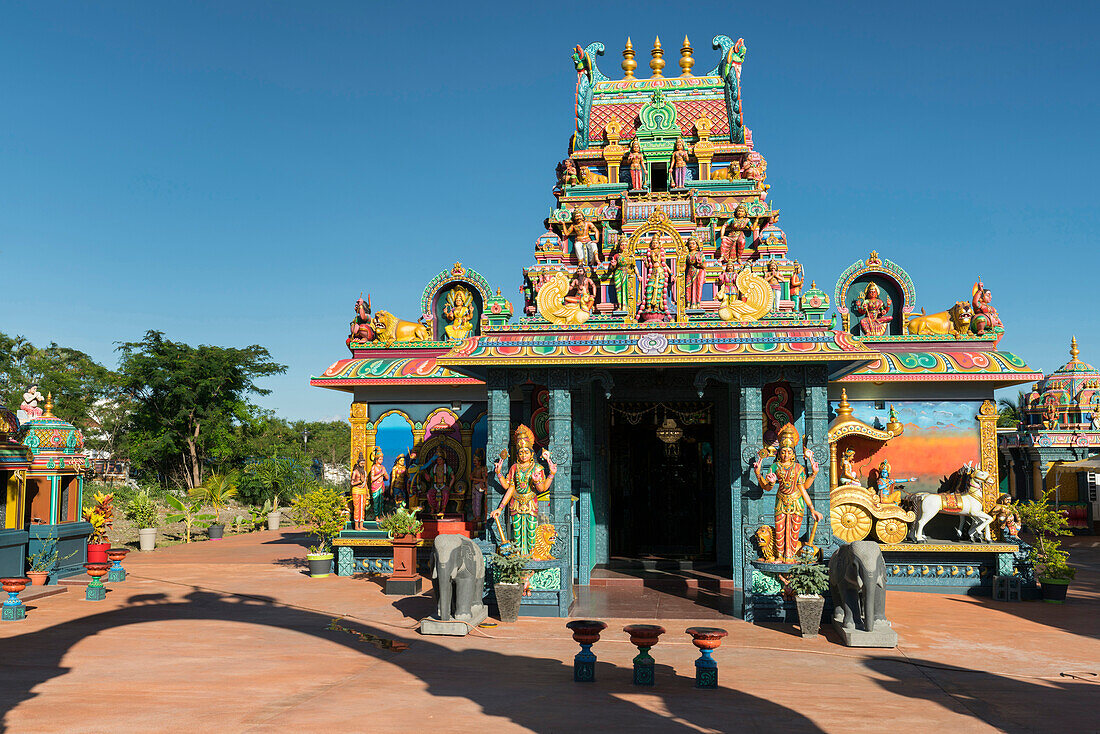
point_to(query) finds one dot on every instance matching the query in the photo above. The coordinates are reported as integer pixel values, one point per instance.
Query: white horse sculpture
(927, 506)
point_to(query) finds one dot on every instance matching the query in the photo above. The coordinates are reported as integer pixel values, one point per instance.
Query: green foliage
(1046, 556)
(322, 509)
(100, 514)
(143, 510)
(47, 556)
(1011, 413)
(216, 491)
(401, 522)
(273, 479)
(186, 400)
(187, 512)
(510, 569)
(808, 578)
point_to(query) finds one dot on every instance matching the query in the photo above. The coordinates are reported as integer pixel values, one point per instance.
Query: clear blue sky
(235, 173)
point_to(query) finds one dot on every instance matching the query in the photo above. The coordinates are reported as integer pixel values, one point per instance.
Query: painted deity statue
(875, 310)
(441, 480)
(985, 316)
(586, 239)
(479, 480)
(459, 310)
(637, 166)
(362, 328)
(679, 165)
(358, 492)
(582, 289)
(621, 266)
(399, 481)
(377, 480)
(792, 482)
(567, 173)
(29, 407)
(727, 283)
(1005, 518)
(412, 480)
(523, 482)
(657, 277)
(889, 490)
(696, 272)
(775, 280)
(797, 280)
(848, 474)
(733, 234)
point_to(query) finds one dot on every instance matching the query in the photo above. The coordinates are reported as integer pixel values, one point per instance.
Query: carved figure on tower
(362, 327)
(588, 178)
(679, 165)
(875, 310)
(621, 267)
(792, 482)
(732, 172)
(586, 238)
(734, 233)
(744, 295)
(797, 280)
(636, 160)
(556, 305)
(696, 271)
(522, 483)
(459, 310)
(657, 276)
(984, 316)
(582, 288)
(567, 173)
(775, 282)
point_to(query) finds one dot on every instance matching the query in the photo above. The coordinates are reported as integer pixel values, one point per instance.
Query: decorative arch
(443, 281)
(378, 421)
(882, 272)
(442, 427)
(658, 222)
(394, 437)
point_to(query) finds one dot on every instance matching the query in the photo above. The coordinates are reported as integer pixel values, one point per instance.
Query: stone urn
(13, 609)
(644, 637)
(706, 639)
(586, 632)
(14, 585)
(96, 591)
(116, 572)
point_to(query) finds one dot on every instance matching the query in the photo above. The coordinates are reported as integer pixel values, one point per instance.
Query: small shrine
(15, 460)
(673, 386)
(1059, 427)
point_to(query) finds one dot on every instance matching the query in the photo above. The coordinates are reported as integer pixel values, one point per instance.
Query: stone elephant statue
(458, 579)
(857, 581)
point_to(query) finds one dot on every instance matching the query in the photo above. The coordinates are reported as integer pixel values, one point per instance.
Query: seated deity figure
(733, 234)
(696, 273)
(582, 288)
(889, 490)
(441, 480)
(848, 474)
(792, 482)
(679, 165)
(985, 316)
(875, 311)
(586, 239)
(523, 482)
(459, 309)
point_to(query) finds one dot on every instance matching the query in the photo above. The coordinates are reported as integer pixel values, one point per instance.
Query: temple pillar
(561, 491)
(816, 438)
(498, 422)
(358, 419)
(1037, 487)
(1012, 479)
(745, 443)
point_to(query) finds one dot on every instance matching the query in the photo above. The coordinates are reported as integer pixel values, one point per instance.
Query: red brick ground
(232, 636)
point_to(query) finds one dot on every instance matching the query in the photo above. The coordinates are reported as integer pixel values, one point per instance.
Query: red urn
(644, 635)
(14, 585)
(97, 570)
(706, 638)
(586, 631)
(117, 554)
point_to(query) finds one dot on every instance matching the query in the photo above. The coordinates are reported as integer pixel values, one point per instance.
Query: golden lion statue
(732, 172)
(955, 320)
(591, 179)
(392, 329)
(545, 535)
(765, 541)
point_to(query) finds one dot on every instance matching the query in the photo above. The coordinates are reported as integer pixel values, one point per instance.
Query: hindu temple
(673, 386)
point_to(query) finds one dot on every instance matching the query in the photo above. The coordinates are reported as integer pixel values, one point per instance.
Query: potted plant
(1046, 555)
(278, 477)
(187, 513)
(808, 580)
(216, 492)
(509, 573)
(143, 512)
(322, 510)
(40, 563)
(100, 515)
(402, 527)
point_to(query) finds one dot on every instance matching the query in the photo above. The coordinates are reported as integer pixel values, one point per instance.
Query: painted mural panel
(939, 437)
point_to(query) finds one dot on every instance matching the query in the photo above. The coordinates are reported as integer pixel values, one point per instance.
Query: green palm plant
(187, 513)
(216, 491)
(1010, 413)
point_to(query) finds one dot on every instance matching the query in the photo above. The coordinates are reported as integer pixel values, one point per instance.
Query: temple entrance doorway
(662, 483)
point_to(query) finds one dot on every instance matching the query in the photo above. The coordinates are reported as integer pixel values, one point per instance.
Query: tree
(186, 398)
(1011, 413)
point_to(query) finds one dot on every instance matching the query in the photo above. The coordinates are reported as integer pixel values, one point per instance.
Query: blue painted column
(581, 427)
(498, 422)
(746, 442)
(54, 491)
(561, 510)
(817, 426)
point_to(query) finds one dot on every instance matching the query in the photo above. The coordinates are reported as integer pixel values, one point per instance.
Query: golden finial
(844, 409)
(49, 406)
(629, 64)
(657, 63)
(1073, 348)
(813, 284)
(686, 62)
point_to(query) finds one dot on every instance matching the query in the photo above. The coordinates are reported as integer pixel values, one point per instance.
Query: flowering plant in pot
(144, 512)
(509, 573)
(322, 510)
(216, 492)
(1046, 556)
(100, 515)
(402, 527)
(808, 580)
(41, 562)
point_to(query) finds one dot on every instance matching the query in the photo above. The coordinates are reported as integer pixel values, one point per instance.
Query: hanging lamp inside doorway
(670, 434)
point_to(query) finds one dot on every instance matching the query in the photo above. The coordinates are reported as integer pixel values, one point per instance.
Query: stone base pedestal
(454, 628)
(12, 613)
(882, 636)
(95, 593)
(116, 574)
(404, 587)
